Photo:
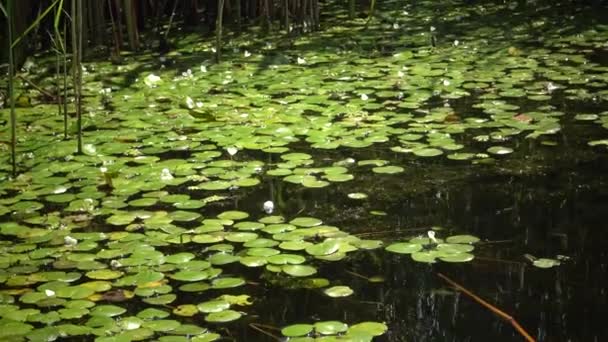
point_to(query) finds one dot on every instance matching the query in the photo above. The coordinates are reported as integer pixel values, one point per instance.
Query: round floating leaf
(369, 328)
(295, 156)
(248, 225)
(424, 256)
(324, 248)
(188, 275)
(338, 291)
(391, 169)
(460, 257)
(427, 152)
(545, 263)
(586, 117)
(179, 258)
(461, 156)
(283, 259)
(206, 337)
(314, 183)
(233, 215)
(299, 270)
(213, 306)
(404, 247)
(357, 195)
(499, 150)
(305, 222)
(295, 245)
(121, 218)
(462, 239)
(223, 316)
(253, 261)
(225, 283)
(241, 236)
(161, 300)
(74, 292)
(161, 325)
(104, 274)
(330, 327)
(296, 330)
(107, 310)
(215, 185)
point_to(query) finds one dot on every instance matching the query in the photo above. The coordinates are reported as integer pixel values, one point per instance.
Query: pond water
(365, 138)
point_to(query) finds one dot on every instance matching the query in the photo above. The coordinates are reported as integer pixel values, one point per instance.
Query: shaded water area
(484, 120)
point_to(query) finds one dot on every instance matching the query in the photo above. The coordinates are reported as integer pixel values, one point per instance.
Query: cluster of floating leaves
(197, 131)
(457, 248)
(334, 331)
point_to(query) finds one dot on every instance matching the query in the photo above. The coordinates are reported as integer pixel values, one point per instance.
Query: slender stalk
(11, 86)
(351, 9)
(237, 9)
(490, 307)
(76, 67)
(218, 28)
(65, 82)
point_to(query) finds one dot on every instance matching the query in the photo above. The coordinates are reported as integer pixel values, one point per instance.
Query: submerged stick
(261, 327)
(490, 307)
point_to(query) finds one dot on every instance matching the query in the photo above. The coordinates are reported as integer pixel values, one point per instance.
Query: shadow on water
(541, 202)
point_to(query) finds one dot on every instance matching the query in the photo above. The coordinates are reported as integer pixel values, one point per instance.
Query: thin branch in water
(259, 327)
(490, 307)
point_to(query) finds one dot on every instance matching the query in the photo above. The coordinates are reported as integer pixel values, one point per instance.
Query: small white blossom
(69, 241)
(246, 54)
(165, 175)
(301, 60)
(152, 80)
(456, 42)
(232, 150)
(49, 293)
(431, 235)
(364, 97)
(203, 68)
(189, 102)
(268, 207)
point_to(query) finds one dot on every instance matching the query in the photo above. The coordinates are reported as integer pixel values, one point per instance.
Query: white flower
(49, 293)
(203, 68)
(268, 207)
(364, 97)
(456, 42)
(69, 241)
(152, 80)
(246, 54)
(395, 26)
(165, 175)
(432, 28)
(232, 150)
(551, 87)
(115, 264)
(400, 73)
(431, 235)
(446, 83)
(199, 104)
(301, 60)
(189, 102)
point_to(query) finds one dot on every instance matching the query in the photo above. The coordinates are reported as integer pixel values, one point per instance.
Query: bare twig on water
(264, 330)
(490, 307)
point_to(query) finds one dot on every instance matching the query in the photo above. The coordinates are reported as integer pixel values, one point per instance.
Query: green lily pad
(330, 327)
(299, 270)
(233, 215)
(305, 221)
(338, 291)
(390, 169)
(296, 330)
(223, 316)
(499, 150)
(462, 239)
(213, 306)
(225, 283)
(404, 247)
